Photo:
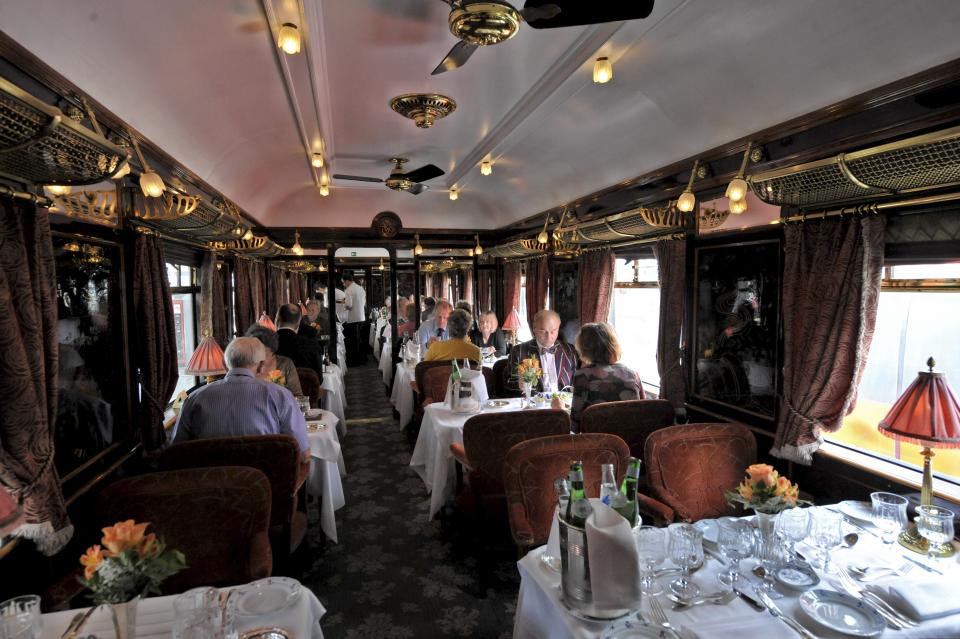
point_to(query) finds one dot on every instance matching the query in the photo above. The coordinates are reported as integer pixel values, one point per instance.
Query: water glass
(793, 525)
(889, 515)
(197, 614)
(304, 403)
(735, 540)
(20, 617)
(770, 553)
(652, 550)
(686, 551)
(827, 533)
(935, 524)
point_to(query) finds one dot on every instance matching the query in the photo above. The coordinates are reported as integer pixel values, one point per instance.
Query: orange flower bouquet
(130, 563)
(765, 491)
(276, 377)
(528, 370)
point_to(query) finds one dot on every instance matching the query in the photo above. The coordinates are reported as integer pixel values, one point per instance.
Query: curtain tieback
(23, 492)
(809, 420)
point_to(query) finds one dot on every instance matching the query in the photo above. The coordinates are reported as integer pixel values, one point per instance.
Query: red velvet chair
(218, 517)
(532, 466)
(689, 467)
(501, 373)
(311, 385)
(633, 420)
(435, 382)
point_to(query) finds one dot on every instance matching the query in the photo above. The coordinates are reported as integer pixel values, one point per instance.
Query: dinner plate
(498, 403)
(859, 510)
(842, 613)
(631, 627)
(796, 576)
(266, 596)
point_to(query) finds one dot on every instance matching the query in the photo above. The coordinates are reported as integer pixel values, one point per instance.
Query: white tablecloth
(155, 619)
(386, 363)
(541, 615)
(432, 459)
(375, 338)
(335, 400)
(402, 395)
(326, 469)
(341, 348)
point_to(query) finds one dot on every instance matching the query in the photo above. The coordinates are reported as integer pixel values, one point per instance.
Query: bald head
(546, 327)
(289, 316)
(245, 352)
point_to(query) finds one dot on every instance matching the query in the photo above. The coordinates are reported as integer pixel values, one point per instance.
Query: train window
(916, 318)
(635, 313)
(185, 290)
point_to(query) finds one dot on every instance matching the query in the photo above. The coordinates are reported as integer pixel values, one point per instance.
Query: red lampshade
(512, 321)
(926, 414)
(207, 359)
(266, 322)
(10, 514)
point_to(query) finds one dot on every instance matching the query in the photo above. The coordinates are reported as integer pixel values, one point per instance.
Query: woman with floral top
(601, 378)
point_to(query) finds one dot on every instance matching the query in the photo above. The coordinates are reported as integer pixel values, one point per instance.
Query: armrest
(661, 513)
(304, 469)
(520, 526)
(460, 455)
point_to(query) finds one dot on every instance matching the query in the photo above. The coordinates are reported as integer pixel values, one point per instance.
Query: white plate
(796, 576)
(497, 403)
(859, 510)
(631, 627)
(265, 596)
(709, 529)
(842, 613)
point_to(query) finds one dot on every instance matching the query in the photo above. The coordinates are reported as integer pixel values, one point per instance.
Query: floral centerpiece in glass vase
(277, 377)
(130, 564)
(767, 492)
(528, 373)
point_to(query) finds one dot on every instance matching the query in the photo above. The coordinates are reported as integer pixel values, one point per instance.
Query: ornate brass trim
(423, 108)
(98, 207)
(169, 206)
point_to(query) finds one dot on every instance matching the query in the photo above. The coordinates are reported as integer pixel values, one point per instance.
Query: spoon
(719, 598)
(850, 539)
(759, 571)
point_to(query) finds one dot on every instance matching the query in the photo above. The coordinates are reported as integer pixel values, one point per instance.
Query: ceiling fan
(398, 180)
(478, 23)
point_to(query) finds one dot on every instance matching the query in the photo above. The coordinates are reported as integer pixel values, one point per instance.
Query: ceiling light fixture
(486, 167)
(59, 189)
(288, 38)
(150, 182)
(296, 248)
(602, 70)
(738, 206)
(738, 187)
(324, 190)
(477, 250)
(417, 249)
(688, 200)
(324, 184)
(317, 160)
(542, 236)
(454, 193)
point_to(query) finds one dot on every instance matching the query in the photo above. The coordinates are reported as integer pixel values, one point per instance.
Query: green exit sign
(353, 253)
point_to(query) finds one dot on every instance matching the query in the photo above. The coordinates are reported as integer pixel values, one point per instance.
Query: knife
(923, 565)
(789, 621)
(750, 600)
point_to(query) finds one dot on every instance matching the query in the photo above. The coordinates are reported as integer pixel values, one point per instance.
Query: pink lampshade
(512, 321)
(266, 322)
(10, 514)
(207, 359)
(926, 414)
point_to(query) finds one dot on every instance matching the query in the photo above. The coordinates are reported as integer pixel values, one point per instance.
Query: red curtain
(538, 278)
(831, 286)
(218, 311)
(244, 313)
(277, 292)
(483, 295)
(595, 279)
(511, 289)
(468, 289)
(672, 266)
(258, 288)
(28, 370)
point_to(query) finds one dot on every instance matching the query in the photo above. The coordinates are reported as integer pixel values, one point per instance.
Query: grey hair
(244, 352)
(459, 323)
(464, 305)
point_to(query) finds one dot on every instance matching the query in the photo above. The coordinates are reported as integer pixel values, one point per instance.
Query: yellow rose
(123, 536)
(91, 560)
(761, 473)
(791, 495)
(783, 485)
(746, 490)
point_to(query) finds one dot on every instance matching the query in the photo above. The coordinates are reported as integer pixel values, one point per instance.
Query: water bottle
(608, 484)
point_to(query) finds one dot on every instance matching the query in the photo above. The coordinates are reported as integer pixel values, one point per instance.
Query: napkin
(553, 541)
(614, 563)
(477, 381)
(927, 599)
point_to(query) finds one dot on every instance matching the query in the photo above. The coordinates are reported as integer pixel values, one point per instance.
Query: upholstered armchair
(501, 373)
(435, 382)
(218, 517)
(633, 420)
(277, 456)
(689, 467)
(532, 466)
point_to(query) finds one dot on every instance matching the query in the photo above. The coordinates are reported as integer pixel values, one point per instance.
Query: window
(635, 313)
(184, 289)
(916, 318)
(524, 333)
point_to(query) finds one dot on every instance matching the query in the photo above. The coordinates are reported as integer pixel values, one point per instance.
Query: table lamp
(266, 322)
(512, 324)
(927, 414)
(207, 360)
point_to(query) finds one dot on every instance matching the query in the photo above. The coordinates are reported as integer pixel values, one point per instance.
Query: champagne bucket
(574, 566)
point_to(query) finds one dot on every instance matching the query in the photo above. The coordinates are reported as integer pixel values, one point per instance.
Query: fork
(894, 617)
(870, 573)
(659, 617)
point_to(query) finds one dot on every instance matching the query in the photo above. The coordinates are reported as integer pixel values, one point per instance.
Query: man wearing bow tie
(557, 359)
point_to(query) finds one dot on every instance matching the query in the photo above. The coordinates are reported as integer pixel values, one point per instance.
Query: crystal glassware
(652, 550)
(304, 403)
(935, 524)
(197, 614)
(686, 551)
(889, 514)
(770, 553)
(736, 541)
(826, 534)
(794, 525)
(20, 617)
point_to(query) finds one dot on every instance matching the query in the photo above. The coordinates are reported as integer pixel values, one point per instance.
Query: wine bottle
(626, 500)
(578, 506)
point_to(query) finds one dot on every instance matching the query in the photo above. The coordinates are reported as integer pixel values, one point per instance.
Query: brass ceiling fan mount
(423, 108)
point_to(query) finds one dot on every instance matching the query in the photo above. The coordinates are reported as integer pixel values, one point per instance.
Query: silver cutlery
(894, 618)
(719, 598)
(73, 624)
(869, 573)
(792, 623)
(923, 565)
(715, 554)
(659, 617)
(77, 623)
(759, 607)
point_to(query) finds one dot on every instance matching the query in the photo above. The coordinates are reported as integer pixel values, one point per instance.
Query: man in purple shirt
(240, 404)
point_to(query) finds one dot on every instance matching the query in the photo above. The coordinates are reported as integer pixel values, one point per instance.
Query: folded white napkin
(614, 563)
(553, 541)
(927, 599)
(477, 382)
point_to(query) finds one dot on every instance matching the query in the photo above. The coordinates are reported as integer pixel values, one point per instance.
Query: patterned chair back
(435, 382)
(532, 466)
(633, 420)
(310, 384)
(689, 467)
(218, 517)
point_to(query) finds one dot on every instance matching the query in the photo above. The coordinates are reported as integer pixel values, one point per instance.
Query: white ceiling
(201, 80)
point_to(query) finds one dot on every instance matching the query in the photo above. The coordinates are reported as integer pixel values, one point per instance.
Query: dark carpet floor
(395, 573)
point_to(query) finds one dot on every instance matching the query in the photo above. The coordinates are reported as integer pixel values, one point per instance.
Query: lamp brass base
(911, 540)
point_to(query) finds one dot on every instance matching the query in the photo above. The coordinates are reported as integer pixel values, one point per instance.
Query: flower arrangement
(130, 563)
(765, 490)
(277, 377)
(528, 370)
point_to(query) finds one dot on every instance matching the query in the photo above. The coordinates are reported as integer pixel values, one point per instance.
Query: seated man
(240, 404)
(305, 352)
(434, 330)
(457, 347)
(557, 359)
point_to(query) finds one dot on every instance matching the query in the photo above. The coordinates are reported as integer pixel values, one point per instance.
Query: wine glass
(770, 554)
(735, 539)
(889, 515)
(935, 524)
(826, 534)
(794, 525)
(652, 550)
(686, 551)
(20, 617)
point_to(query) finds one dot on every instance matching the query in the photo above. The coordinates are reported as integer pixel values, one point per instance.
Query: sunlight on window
(635, 313)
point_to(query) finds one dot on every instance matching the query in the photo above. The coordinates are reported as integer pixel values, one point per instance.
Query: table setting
(326, 467)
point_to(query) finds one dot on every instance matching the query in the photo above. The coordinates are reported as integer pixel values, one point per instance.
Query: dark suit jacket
(307, 331)
(496, 340)
(304, 352)
(565, 360)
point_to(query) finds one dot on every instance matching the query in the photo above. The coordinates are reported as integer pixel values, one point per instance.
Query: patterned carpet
(396, 574)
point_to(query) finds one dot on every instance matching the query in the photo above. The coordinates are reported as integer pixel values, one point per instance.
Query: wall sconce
(486, 167)
(454, 193)
(150, 182)
(687, 200)
(288, 38)
(602, 70)
(477, 250)
(417, 249)
(738, 206)
(248, 235)
(296, 248)
(317, 160)
(380, 268)
(59, 189)
(738, 187)
(543, 237)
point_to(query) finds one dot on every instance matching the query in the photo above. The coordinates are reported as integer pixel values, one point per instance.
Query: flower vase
(766, 523)
(125, 618)
(527, 389)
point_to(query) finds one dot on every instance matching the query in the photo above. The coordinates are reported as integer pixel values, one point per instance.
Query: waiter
(356, 302)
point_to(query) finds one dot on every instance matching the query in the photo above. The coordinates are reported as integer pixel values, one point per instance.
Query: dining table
(335, 399)
(402, 394)
(326, 468)
(541, 613)
(385, 364)
(155, 619)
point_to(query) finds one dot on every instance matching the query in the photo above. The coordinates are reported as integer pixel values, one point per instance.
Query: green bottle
(578, 506)
(625, 502)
